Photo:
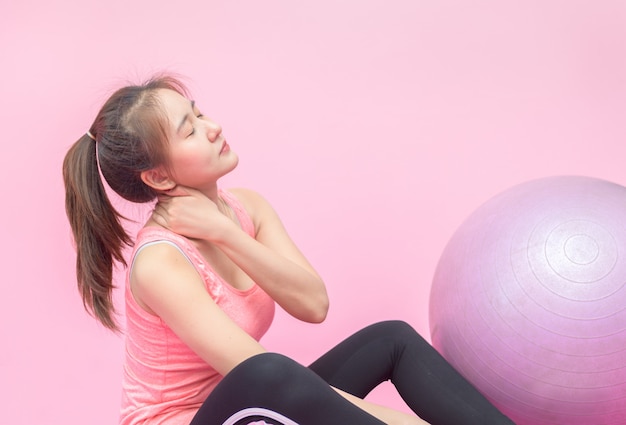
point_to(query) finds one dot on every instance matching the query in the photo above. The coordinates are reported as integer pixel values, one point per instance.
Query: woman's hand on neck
(193, 213)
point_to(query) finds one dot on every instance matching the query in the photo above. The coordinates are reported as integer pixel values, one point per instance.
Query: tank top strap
(242, 215)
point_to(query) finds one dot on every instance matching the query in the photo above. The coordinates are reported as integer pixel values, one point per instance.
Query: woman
(205, 272)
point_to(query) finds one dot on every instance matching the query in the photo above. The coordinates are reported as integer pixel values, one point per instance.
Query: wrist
(223, 232)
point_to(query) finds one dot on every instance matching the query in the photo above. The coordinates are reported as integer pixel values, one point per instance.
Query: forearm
(301, 292)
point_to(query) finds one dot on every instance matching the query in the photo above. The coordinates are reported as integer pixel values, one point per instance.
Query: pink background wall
(374, 127)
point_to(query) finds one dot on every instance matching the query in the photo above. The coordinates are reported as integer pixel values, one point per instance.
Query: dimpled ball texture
(528, 301)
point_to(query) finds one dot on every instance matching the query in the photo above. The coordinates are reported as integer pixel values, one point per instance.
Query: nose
(213, 130)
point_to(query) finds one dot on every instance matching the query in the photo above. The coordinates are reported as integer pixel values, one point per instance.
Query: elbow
(319, 315)
(319, 310)
(315, 317)
(311, 306)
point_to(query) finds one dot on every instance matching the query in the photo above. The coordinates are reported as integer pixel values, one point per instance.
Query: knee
(272, 370)
(400, 335)
(272, 376)
(397, 329)
(267, 367)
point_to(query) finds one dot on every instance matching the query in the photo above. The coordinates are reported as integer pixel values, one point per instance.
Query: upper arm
(169, 286)
(269, 229)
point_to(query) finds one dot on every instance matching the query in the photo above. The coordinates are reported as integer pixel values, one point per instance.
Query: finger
(159, 219)
(170, 193)
(178, 191)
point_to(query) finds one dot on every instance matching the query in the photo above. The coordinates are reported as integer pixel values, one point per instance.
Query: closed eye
(193, 129)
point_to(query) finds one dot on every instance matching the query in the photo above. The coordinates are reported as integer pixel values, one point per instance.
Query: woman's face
(198, 152)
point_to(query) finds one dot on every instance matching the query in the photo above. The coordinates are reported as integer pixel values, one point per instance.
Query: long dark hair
(129, 136)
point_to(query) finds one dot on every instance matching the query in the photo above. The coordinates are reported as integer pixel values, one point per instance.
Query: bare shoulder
(152, 259)
(158, 271)
(248, 196)
(254, 203)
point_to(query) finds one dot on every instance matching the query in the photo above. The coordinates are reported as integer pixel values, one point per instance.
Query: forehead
(175, 105)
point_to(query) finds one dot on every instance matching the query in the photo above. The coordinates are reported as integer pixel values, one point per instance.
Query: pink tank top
(164, 381)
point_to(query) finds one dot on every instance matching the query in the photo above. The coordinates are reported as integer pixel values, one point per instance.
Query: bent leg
(277, 390)
(429, 385)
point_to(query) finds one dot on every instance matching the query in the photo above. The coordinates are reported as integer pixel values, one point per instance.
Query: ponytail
(99, 236)
(131, 133)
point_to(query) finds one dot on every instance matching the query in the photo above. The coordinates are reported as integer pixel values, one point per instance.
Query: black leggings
(277, 390)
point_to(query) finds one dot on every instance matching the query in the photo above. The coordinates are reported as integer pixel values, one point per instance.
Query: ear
(157, 179)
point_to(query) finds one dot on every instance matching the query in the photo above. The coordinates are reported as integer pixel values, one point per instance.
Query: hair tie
(92, 137)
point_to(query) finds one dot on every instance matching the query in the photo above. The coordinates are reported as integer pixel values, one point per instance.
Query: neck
(211, 192)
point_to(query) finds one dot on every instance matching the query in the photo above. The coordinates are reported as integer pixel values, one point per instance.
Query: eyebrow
(185, 118)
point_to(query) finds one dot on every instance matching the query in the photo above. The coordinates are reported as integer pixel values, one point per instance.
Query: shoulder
(254, 203)
(154, 256)
(156, 248)
(248, 197)
(160, 270)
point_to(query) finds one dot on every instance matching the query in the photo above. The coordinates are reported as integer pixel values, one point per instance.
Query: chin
(232, 165)
(235, 160)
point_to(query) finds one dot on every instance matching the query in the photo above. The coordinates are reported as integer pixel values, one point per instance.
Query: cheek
(191, 156)
(192, 163)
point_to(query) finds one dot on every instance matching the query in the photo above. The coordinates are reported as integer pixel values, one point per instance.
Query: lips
(225, 147)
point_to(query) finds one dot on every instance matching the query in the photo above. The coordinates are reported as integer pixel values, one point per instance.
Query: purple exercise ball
(528, 301)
